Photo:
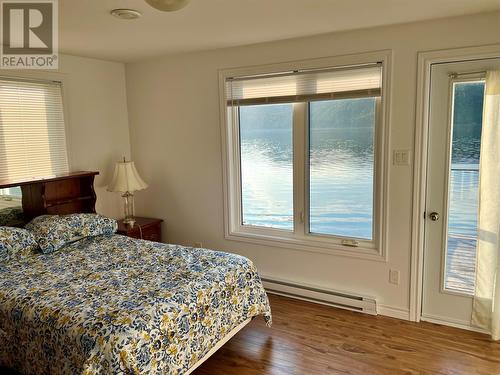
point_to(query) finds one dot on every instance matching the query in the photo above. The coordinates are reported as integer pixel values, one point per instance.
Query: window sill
(309, 245)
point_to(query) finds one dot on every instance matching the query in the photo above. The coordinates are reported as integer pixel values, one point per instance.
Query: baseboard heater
(342, 300)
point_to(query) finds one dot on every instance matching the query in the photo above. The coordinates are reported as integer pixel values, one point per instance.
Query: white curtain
(486, 307)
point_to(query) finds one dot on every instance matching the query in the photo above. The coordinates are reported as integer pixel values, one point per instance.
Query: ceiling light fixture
(126, 14)
(167, 5)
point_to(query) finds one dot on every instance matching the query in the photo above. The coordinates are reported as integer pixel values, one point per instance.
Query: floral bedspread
(115, 305)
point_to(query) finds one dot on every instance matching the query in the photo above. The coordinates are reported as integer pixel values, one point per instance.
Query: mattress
(115, 305)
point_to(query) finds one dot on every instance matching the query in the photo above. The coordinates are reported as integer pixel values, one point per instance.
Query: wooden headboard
(62, 194)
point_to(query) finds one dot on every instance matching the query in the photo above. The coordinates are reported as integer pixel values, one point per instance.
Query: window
(463, 200)
(341, 166)
(266, 165)
(32, 130)
(304, 157)
(14, 192)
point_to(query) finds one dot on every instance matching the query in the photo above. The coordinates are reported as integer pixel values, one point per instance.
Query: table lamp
(126, 180)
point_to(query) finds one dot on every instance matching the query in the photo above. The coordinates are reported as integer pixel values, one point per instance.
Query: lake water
(341, 181)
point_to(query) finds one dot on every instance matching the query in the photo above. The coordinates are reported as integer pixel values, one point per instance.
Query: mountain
(468, 110)
(333, 114)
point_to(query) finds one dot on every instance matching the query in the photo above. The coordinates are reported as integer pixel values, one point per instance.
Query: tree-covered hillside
(324, 114)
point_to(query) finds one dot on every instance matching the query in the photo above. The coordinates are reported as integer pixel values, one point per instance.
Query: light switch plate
(394, 277)
(401, 157)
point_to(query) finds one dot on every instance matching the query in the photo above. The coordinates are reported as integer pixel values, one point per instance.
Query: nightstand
(144, 228)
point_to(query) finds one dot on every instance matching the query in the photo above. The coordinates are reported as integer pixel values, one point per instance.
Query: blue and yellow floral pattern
(54, 231)
(16, 242)
(116, 305)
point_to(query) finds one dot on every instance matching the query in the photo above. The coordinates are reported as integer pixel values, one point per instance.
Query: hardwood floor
(313, 339)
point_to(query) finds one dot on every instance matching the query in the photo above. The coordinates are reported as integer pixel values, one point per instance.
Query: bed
(110, 304)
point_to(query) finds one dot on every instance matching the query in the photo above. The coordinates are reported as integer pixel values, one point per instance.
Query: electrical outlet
(198, 244)
(394, 277)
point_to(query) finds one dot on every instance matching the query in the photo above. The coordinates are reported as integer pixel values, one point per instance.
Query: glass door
(455, 123)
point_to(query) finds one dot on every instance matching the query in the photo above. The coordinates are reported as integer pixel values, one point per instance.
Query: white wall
(98, 122)
(176, 143)
(96, 117)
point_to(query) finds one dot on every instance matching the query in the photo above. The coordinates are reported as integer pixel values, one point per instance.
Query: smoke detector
(126, 14)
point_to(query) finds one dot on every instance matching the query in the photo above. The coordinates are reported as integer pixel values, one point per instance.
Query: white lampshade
(167, 5)
(126, 178)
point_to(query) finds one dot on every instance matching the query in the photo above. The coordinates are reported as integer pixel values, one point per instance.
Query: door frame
(425, 61)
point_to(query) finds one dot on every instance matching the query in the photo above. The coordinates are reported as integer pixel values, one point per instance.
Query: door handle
(434, 216)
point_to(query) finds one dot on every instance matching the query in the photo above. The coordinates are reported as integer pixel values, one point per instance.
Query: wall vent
(342, 300)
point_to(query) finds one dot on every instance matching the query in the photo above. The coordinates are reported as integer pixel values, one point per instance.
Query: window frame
(300, 238)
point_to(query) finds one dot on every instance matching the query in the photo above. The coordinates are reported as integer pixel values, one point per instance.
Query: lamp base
(129, 221)
(129, 209)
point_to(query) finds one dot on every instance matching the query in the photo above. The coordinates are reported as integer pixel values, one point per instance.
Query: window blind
(306, 85)
(32, 130)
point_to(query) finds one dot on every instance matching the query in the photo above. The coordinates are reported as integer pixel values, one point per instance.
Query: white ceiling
(87, 28)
